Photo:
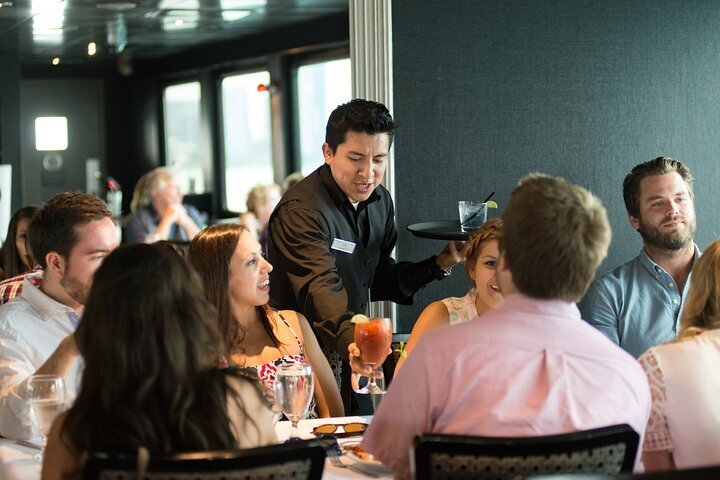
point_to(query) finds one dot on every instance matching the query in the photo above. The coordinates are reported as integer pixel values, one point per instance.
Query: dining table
(17, 462)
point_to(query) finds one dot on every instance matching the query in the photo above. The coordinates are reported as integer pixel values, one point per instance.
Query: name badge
(343, 246)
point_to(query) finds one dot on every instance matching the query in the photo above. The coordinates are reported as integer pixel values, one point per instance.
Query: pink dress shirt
(532, 367)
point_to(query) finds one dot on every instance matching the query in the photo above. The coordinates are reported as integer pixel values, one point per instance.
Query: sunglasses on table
(348, 429)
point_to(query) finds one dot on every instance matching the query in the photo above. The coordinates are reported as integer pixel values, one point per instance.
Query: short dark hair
(555, 235)
(656, 166)
(358, 115)
(53, 227)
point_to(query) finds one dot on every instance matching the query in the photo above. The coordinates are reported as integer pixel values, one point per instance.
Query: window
(320, 88)
(247, 136)
(182, 135)
(51, 134)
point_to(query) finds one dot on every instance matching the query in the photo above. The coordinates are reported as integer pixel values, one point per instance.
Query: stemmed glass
(373, 338)
(293, 393)
(46, 397)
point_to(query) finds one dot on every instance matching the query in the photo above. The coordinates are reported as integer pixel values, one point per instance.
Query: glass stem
(294, 429)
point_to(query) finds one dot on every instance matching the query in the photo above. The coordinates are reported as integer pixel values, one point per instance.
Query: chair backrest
(302, 460)
(702, 473)
(601, 450)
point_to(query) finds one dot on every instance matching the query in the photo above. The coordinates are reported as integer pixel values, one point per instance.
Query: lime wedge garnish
(359, 318)
(492, 204)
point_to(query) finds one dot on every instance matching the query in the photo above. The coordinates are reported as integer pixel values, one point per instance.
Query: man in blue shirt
(638, 304)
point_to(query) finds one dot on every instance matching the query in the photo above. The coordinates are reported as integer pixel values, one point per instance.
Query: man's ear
(634, 221)
(55, 263)
(327, 153)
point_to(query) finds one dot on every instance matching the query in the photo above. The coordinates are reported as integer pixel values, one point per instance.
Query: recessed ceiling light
(92, 48)
(56, 61)
(117, 6)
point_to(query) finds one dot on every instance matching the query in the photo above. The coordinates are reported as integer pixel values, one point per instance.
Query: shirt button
(367, 262)
(675, 301)
(670, 284)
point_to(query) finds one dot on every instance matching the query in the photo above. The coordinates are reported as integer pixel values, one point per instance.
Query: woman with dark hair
(151, 378)
(237, 282)
(682, 431)
(15, 258)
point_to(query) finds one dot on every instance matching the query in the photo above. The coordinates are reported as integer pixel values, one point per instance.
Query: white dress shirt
(31, 328)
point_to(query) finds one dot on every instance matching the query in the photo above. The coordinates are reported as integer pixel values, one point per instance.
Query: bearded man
(69, 236)
(638, 304)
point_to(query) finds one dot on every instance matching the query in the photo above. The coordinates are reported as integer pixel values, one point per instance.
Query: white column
(371, 60)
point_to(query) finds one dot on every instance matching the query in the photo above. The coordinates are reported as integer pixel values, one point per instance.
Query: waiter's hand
(357, 366)
(453, 253)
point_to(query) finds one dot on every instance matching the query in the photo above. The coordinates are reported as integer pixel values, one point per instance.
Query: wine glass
(293, 393)
(373, 339)
(46, 397)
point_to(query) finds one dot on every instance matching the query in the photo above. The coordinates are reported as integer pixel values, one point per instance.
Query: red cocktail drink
(373, 339)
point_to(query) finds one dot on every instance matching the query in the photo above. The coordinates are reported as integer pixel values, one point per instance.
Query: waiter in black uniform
(331, 235)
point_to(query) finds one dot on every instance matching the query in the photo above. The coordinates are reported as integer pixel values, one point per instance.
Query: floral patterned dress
(268, 371)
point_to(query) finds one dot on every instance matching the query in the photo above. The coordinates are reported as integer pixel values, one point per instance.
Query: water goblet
(293, 393)
(46, 398)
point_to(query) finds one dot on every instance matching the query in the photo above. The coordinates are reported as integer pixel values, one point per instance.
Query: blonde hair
(702, 307)
(258, 196)
(491, 230)
(555, 235)
(146, 184)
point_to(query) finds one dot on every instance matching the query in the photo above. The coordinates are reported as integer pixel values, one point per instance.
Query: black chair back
(702, 473)
(601, 450)
(302, 460)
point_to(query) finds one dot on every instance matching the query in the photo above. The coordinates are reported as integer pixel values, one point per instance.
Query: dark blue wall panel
(488, 91)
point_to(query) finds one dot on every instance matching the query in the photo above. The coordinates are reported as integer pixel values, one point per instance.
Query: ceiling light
(56, 61)
(116, 6)
(92, 48)
(179, 22)
(235, 15)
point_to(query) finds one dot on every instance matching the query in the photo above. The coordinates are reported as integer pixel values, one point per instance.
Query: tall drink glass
(373, 338)
(46, 397)
(293, 393)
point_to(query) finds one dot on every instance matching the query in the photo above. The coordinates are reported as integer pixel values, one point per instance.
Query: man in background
(638, 304)
(69, 237)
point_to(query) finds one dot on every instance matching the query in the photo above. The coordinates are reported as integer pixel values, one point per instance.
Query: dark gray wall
(82, 102)
(10, 106)
(488, 91)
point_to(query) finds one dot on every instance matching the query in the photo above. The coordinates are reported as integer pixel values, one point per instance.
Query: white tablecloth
(16, 461)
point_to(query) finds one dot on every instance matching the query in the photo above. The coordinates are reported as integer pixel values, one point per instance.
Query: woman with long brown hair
(151, 378)
(237, 282)
(685, 419)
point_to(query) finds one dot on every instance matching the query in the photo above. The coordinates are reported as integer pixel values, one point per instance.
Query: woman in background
(151, 378)
(484, 294)
(237, 282)
(15, 258)
(683, 430)
(261, 202)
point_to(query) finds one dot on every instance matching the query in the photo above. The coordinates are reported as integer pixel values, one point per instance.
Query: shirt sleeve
(16, 366)
(399, 281)
(598, 308)
(405, 411)
(135, 229)
(657, 434)
(301, 238)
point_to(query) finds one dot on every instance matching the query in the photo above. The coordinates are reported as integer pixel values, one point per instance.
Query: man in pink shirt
(532, 367)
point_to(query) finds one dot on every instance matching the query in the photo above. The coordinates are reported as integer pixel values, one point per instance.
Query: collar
(336, 194)
(46, 306)
(556, 308)
(656, 269)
